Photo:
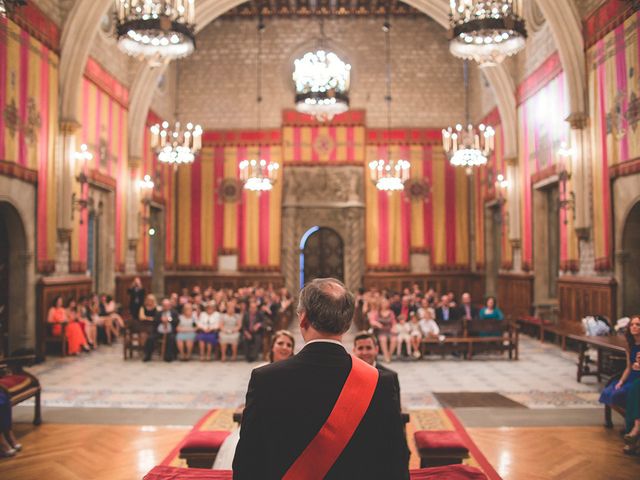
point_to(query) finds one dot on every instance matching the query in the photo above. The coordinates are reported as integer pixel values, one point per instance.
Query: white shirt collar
(324, 340)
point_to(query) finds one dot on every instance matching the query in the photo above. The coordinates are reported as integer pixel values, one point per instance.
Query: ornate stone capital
(511, 161)
(135, 162)
(64, 234)
(515, 243)
(622, 256)
(583, 233)
(69, 126)
(578, 120)
(133, 243)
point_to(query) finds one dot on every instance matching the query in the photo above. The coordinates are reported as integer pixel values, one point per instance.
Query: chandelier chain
(387, 45)
(259, 79)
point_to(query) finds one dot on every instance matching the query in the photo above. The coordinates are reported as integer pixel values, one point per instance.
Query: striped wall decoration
(104, 130)
(614, 103)
(541, 132)
(29, 124)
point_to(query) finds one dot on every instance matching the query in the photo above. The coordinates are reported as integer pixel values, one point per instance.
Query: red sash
(319, 456)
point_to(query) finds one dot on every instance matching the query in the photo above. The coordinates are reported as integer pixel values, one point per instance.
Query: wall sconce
(502, 184)
(567, 199)
(81, 202)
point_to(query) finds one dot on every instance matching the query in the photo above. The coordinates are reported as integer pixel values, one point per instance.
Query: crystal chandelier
(468, 147)
(389, 175)
(486, 31)
(8, 6)
(259, 175)
(175, 145)
(322, 83)
(157, 30)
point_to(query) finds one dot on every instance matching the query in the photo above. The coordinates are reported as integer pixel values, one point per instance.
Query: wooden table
(609, 343)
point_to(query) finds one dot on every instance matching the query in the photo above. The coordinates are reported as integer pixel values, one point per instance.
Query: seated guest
(76, 341)
(428, 326)
(109, 310)
(164, 327)
(208, 325)
(403, 330)
(466, 310)
(622, 393)
(146, 316)
(230, 326)
(445, 312)
(136, 297)
(252, 330)
(365, 347)
(383, 325)
(490, 310)
(415, 334)
(86, 320)
(396, 304)
(186, 332)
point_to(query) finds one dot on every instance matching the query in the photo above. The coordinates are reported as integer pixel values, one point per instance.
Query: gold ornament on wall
(418, 189)
(229, 190)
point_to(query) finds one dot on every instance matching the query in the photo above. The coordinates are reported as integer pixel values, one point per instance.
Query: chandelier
(7, 6)
(486, 31)
(468, 146)
(259, 175)
(175, 145)
(389, 175)
(157, 30)
(322, 82)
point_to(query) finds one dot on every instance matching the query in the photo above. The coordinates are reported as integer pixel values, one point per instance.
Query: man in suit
(365, 347)
(445, 313)
(288, 402)
(466, 310)
(252, 330)
(165, 323)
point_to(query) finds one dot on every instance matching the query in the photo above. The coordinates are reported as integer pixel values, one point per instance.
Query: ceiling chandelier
(8, 6)
(486, 31)
(176, 145)
(322, 82)
(259, 175)
(389, 175)
(157, 30)
(468, 146)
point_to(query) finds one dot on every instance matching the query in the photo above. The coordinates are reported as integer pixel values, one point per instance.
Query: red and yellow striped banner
(323, 144)
(614, 102)
(29, 123)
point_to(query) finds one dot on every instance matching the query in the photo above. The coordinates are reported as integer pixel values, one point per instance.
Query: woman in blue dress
(619, 393)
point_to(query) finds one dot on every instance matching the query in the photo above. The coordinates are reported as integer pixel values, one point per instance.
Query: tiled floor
(544, 377)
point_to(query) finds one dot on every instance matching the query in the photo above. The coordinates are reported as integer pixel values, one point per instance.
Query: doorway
(321, 255)
(493, 246)
(631, 274)
(546, 246)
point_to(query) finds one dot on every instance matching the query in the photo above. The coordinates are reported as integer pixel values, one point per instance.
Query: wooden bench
(533, 324)
(471, 342)
(615, 344)
(563, 330)
(18, 384)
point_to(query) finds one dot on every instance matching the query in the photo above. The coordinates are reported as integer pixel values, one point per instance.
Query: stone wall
(217, 83)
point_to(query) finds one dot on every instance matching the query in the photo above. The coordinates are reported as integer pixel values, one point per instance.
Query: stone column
(581, 186)
(513, 209)
(65, 169)
(133, 214)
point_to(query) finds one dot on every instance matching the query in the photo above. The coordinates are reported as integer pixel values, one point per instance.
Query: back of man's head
(328, 304)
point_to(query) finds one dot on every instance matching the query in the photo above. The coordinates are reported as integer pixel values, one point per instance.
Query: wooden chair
(130, 340)
(57, 339)
(18, 384)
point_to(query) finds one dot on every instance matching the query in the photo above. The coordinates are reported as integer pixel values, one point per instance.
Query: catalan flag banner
(29, 125)
(338, 142)
(541, 134)
(430, 216)
(614, 110)
(103, 116)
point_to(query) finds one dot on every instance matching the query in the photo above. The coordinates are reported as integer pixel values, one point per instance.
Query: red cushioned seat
(440, 440)
(204, 441)
(15, 383)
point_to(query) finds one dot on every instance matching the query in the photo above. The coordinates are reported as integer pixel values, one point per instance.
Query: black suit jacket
(453, 315)
(387, 371)
(462, 312)
(289, 401)
(158, 318)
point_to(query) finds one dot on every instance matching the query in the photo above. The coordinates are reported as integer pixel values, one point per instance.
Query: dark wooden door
(323, 255)
(4, 288)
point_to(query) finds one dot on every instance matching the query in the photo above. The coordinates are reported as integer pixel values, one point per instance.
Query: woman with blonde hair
(282, 345)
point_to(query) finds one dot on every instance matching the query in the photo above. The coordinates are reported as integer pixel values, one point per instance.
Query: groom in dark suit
(289, 402)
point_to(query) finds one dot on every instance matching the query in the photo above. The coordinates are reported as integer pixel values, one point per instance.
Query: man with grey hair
(321, 413)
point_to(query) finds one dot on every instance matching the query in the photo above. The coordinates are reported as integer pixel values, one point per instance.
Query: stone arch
(20, 228)
(630, 243)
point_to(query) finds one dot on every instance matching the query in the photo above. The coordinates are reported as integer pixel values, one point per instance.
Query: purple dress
(611, 396)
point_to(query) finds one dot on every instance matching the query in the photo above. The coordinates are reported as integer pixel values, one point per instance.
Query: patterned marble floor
(544, 377)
